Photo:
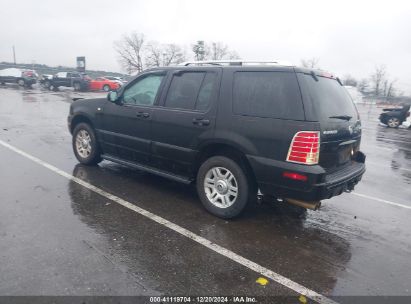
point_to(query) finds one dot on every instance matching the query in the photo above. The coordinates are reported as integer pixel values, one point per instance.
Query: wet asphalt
(60, 238)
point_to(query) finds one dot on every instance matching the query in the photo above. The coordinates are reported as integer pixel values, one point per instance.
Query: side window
(191, 90)
(144, 91)
(267, 94)
(206, 92)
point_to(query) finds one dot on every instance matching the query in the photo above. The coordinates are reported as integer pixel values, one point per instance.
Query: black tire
(246, 191)
(21, 82)
(94, 156)
(106, 88)
(393, 122)
(52, 87)
(47, 84)
(77, 86)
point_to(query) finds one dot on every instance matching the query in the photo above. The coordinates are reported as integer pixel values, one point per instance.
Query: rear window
(267, 94)
(328, 97)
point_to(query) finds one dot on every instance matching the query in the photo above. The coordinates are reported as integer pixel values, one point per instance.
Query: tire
(220, 189)
(87, 152)
(47, 84)
(52, 87)
(77, 86)
(21, 82)
(106, 88)
(393, 122)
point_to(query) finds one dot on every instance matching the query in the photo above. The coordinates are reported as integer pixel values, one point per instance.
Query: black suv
(79, 81)
(235, 129)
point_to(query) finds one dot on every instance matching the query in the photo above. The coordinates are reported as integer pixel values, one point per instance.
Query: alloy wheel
(221, 187)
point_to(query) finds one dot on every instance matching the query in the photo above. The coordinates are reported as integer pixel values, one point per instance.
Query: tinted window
(206, 92)
(267, 94)
(328, 97)
(191, 90)
(144, 91)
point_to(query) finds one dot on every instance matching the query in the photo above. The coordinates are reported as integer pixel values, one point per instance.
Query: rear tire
(223, 187)
(106, 88)
(393, 122)
(47, 84)
(77, 86)
(85, 145)
(21, 82)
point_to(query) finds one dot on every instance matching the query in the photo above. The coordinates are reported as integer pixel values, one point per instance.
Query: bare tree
(232, 55)
(348, 80)
(391, 90)
(378, 78)
(311, 63)
(173, 54)
(154, 53)
(218, 51)
(163, 54)
(363, 86)
(213, 51)
(130, 51)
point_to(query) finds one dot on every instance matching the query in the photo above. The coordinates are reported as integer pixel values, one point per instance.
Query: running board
(161, 173)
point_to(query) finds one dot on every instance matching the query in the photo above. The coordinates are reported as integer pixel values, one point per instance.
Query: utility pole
(14, 55)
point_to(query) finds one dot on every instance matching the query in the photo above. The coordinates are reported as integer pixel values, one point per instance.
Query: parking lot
(109, 230)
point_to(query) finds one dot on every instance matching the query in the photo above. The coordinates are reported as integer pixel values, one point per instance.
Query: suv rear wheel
(223, 187)
(85, 145)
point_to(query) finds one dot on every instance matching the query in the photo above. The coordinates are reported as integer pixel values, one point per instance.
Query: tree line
(378, 84)
(136, 53)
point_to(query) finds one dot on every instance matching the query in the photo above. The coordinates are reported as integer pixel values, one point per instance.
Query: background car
(22, 77)
(394, 117)
(44, 78)
(120, 80)
(102, 83)
(79, 81)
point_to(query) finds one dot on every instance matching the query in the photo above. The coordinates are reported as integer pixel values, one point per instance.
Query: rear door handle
(143, 114)
(201, 121)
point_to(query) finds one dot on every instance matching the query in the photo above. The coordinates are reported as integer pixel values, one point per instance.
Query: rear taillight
(305, 148)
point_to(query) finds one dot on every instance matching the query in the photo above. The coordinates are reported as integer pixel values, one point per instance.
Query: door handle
(201, 121)
(143, 114)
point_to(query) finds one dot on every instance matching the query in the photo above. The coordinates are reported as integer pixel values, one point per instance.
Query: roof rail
(234, 63)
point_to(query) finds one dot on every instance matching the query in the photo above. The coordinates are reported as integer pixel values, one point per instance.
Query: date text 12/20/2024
(203, 299)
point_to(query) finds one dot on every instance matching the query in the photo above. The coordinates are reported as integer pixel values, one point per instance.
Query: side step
(149, 169)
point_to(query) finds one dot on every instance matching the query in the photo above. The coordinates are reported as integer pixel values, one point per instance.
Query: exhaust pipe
(307, 205)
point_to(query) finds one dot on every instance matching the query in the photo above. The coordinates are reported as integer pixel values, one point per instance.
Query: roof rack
(234, 63)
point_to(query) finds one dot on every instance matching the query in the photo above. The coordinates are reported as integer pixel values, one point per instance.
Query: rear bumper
(319, 185)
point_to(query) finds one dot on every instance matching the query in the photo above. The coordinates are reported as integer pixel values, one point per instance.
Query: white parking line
(381, 200)
(196, 238)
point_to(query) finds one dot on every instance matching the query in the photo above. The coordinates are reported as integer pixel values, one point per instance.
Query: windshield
(330, 100)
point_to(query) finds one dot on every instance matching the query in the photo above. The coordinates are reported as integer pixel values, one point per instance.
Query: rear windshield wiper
(343, 117)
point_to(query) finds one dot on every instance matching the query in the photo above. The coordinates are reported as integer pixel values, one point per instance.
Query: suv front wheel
(85, 145)
(223, 187)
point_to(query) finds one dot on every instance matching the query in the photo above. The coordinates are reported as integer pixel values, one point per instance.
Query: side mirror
(112, 96)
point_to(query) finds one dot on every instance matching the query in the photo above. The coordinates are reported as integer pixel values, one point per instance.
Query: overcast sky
(348, 37)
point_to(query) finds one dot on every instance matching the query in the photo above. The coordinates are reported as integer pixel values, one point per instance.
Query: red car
(104, 84)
